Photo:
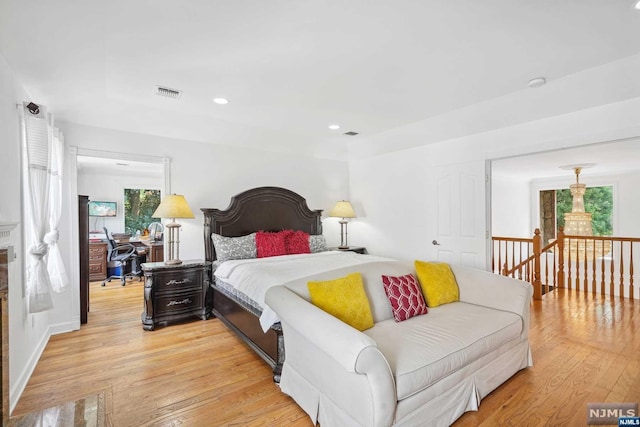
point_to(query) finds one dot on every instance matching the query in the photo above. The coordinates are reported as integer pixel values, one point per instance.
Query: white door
(460, 227)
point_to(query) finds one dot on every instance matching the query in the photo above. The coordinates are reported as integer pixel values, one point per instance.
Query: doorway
(104, 176)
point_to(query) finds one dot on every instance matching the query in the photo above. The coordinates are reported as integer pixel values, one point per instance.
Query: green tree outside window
(139, 205)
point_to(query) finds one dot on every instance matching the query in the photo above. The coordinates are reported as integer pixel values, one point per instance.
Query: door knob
(435, 243)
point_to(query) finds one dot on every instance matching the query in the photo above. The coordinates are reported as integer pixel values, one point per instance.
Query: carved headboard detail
(262, 208)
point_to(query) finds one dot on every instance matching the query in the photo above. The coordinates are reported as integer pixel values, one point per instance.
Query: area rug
(86, 412)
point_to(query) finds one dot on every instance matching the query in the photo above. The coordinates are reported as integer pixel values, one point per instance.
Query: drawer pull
(184, 301)
(178, 282)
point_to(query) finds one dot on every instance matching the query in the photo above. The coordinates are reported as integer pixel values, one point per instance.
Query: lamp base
(343, 247)
(173, 262)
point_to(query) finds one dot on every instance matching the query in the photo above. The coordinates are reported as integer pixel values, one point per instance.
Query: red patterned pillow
(270, 244)
(296, 242)
(405, 296)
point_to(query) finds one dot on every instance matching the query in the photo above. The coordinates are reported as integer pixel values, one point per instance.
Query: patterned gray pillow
(317, 243)
(228, 248)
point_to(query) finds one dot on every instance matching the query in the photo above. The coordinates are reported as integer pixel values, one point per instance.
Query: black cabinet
(174, 292)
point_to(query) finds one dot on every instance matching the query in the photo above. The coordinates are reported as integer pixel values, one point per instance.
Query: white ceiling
(290, 68)
(611, 158)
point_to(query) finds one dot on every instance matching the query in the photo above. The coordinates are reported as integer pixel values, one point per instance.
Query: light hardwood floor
(585, 349)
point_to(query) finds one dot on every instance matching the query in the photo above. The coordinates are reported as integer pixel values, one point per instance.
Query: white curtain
(55, 263)
(42, 208)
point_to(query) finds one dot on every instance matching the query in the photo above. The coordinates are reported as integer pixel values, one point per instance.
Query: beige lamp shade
(343, 209)
(173, 206)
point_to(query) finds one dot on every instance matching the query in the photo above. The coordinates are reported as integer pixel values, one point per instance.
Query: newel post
(537, 246)
(560, 240)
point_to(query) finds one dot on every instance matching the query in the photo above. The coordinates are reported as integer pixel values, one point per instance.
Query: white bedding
(254, 276)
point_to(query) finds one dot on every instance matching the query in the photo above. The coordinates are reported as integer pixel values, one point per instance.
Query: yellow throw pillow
(438, 283)
(345, 299)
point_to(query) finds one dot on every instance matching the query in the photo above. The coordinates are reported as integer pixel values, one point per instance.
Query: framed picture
(103, 208)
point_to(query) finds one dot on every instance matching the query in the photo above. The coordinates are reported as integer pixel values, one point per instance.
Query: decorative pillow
(296, 242)
(345, 299)
(405, 296)
(438, 283)
(270, 244)
(228, 248)
(317, 243)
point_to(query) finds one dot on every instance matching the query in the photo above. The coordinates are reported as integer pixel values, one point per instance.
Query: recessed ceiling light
(537, 82)
(221, 101)
(334, 127)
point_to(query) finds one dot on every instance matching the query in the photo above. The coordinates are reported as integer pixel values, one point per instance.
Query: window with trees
(139, 206)
(555, 203)
(598, 201)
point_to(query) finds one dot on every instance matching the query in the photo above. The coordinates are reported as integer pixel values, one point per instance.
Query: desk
(155, 250)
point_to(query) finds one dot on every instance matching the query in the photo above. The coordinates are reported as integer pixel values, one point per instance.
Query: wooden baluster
(602, 271)
(586, 267)
(577, 264)
(537, 245)
(613, 267)
(546, 274)
(593, 269)
(513, 258)
(570, 281)
(621, 271)
(555, 271)
(631, 291)
(560, 241)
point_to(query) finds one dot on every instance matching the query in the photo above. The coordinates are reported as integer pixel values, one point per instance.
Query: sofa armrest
(340, 362)
(332, 336)
(495, 291)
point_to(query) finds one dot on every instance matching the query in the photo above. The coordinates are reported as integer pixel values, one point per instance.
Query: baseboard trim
(25, 375)
(23, 379)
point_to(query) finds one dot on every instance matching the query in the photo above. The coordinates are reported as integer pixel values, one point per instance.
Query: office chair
(119, 254)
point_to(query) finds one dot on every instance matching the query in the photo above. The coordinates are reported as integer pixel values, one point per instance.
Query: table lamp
(173, 206)
(343, 209)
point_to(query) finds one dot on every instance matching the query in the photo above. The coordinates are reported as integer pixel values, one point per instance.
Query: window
(139, 205)
(597, 200)
(555, 203)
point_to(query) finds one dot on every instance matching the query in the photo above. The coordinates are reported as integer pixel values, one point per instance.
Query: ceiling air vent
(169, 93)
(351, 133)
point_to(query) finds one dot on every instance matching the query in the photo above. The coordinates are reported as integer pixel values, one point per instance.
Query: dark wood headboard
(262, 208)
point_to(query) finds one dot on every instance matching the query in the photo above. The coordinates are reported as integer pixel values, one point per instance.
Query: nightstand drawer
(170, 282)
(178, 303)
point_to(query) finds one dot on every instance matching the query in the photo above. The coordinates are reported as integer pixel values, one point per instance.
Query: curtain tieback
(52, 237)
(39, 250)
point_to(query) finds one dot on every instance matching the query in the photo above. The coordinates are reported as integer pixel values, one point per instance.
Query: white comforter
(254, 276)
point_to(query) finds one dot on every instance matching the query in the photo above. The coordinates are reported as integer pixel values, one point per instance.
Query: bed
(263, 208)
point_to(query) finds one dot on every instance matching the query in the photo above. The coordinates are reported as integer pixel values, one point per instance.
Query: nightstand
(356, 249)
(174, 292)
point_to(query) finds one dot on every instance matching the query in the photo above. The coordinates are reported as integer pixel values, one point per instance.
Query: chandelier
(578, 223)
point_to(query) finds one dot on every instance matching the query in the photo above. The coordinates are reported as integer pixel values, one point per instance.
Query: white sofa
(427, 370)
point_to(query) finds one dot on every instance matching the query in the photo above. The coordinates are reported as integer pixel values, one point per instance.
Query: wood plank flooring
(585, 349)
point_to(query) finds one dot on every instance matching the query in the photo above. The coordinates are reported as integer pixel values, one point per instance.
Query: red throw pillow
(296, 242)
(270, 244)
(405, 296)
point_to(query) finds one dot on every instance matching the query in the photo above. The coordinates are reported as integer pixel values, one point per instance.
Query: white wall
(110, 188)
(28, 333)
(393, 182)
(510, 206)
(208, 175)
